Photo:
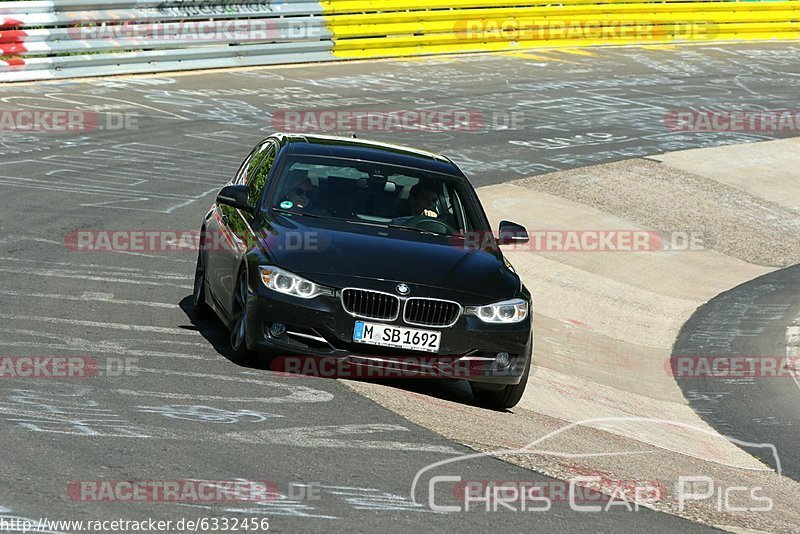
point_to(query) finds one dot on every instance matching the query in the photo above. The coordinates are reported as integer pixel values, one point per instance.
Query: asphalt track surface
(750, 321)
(187, 412)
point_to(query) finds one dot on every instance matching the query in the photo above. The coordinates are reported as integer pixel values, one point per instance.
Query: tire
(501, 398)
(201, 308)
(240, 354)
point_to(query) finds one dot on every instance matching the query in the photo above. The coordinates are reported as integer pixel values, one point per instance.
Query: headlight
(288, 283)
(508, 311)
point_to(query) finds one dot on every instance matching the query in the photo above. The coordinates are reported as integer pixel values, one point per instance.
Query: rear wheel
(201, 309)
(238, 337)
(500, 397)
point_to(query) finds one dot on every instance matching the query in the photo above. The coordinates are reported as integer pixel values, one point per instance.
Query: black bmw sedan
(377, 255)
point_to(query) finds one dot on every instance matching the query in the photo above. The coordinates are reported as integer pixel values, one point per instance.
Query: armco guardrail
(71, 38)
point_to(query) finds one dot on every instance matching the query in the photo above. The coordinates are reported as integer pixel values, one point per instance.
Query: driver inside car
(420, 211)
(422, 200)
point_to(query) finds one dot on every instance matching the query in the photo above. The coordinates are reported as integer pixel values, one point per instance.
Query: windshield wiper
(419, 230)
(368, 223)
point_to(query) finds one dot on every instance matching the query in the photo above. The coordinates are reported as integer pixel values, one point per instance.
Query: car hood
(335, 253)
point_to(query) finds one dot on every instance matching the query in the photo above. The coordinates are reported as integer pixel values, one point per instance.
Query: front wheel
(201, 309)
(240, 354)
(501, 398)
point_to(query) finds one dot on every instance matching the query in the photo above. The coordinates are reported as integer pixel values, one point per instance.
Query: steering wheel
(423, 222)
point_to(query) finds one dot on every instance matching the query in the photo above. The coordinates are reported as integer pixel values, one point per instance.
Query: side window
(241, 174)
(257, 171)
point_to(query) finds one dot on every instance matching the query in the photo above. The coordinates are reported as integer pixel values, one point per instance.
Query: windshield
(373, 193)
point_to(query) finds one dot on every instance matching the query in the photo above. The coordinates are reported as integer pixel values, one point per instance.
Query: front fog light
(502, 359)
(277, 329)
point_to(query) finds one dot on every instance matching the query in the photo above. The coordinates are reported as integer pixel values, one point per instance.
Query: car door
(218, 236)
(236, 234)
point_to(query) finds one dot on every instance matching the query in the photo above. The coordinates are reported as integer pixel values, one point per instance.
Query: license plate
(396, 336)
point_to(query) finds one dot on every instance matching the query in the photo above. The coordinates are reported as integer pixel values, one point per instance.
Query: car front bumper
(320, 330)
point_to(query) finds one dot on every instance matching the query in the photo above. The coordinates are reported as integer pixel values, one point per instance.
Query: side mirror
(236, 196)
(511, 233)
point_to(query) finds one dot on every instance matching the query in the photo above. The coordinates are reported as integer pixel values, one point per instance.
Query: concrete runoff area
(605, 324)
(769, 171)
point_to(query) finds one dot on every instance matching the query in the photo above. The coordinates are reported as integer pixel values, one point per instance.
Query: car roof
(353, 148)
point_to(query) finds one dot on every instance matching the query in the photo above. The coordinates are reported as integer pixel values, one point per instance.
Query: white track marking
(140, 273)
(793, 335)
(63, 274)
(374, 499)
(121, 194)
(793, 350)
(136, 176)
(28, 238)
(170, 257)
(58, 413)
(159, 256)
(297, 393)
(103, 178)
(93, 189)
(329, 437)
(93, 348)
(93, 297)
(170, 209)
(207, 414)
(187, 396)
(100, 324)
(117, 347)
(169, 152)
(280, 506)
(67, 98)
(91, 265)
